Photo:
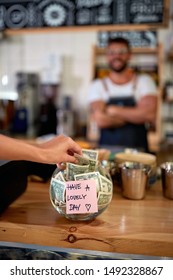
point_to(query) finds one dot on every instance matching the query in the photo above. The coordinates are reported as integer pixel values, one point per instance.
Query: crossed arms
(115, 116)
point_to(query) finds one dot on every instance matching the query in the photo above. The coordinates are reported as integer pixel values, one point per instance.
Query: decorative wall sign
(137, 39)
(55, 13)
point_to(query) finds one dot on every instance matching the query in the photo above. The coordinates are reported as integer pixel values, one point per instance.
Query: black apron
(129, 135)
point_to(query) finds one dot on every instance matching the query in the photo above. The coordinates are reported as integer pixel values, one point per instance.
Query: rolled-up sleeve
(95, 92)
(146, 86)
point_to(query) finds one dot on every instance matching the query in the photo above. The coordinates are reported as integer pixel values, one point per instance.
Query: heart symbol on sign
(88, 206)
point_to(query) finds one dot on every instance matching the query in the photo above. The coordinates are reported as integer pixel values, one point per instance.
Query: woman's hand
(60, 149)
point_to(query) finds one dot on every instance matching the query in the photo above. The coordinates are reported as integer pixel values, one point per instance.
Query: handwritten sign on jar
(81, 197)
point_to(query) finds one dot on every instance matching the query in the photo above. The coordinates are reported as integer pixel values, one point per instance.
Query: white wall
(28, 53)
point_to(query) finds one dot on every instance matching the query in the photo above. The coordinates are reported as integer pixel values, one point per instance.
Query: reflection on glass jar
(97, 187)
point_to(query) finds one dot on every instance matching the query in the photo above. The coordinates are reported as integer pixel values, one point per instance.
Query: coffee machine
(27, 104)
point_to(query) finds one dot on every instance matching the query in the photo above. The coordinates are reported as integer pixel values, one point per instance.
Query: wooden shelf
(102, 51)
(93, 28)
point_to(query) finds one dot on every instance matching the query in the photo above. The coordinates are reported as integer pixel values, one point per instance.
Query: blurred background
(45, 70)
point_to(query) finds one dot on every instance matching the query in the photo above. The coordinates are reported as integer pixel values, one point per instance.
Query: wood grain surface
(127, 226)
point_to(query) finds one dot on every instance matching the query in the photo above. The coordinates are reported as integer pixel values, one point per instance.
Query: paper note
(81, 197)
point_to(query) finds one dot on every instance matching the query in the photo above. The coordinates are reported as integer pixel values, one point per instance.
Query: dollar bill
(59, 203)
(92, 165)
(74, 169)
(65, 174)
(56, 202)
(106, 185)
(90, 175)
(100, 169)
(102, 206)
(104, 198)
(89, 157)
(91, 154)
(60, 176)
(58, 189)
(81, 159)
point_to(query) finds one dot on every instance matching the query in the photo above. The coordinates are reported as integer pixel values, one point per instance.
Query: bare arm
(144, 111)
(59, 149)
(98, 110)
(99, 105)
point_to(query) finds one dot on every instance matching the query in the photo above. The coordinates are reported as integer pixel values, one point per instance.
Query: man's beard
(118, 69)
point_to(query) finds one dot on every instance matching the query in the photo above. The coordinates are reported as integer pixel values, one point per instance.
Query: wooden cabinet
(144, 60)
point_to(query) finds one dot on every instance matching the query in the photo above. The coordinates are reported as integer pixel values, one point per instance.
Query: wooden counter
(132, 227)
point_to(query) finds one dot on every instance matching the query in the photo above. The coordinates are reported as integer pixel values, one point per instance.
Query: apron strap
(135, 80)
(105, 86)
(134, 85)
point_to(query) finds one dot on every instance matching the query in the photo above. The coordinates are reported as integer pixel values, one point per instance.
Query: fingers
(61, 165)
(68, 158)
(71, 159)
(61, 149)
(74, 148)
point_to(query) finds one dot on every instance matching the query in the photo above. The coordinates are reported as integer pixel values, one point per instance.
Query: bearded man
(124, 102)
